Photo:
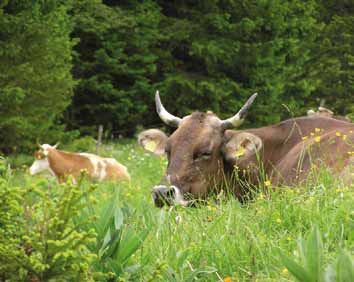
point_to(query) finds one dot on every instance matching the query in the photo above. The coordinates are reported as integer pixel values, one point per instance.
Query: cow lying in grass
(63, 164)
(203, 152)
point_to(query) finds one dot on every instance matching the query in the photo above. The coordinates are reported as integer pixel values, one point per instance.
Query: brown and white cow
(203, 151)
(63, 164)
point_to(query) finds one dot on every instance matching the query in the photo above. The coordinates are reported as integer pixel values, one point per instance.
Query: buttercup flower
(267, 183)
(338, 134)
(285, 271)
(318, 139)
(317, 129)
(304, 138)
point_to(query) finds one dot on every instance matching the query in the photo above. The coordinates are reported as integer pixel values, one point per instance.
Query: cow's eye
(202, 156)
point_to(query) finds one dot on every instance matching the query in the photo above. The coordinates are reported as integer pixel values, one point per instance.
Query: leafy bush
(39, 238)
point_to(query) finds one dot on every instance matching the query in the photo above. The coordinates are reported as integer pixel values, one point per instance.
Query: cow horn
(165, 116)
(238, 119)
(56, 145)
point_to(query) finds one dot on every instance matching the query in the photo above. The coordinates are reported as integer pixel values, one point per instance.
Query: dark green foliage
(333, 57)
(35, 79)
(201, 55)
(208, 55)
(115, 62)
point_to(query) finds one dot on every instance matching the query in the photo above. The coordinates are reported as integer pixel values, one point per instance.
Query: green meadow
(113, 232)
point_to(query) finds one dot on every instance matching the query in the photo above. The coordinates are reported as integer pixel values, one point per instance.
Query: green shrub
(83, 144)
(39, 238)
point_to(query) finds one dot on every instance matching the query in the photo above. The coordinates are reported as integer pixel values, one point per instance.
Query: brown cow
(62, 164)
(202, 152)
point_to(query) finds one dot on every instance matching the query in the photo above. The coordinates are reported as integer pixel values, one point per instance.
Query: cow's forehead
(198, 119)
(197, 128)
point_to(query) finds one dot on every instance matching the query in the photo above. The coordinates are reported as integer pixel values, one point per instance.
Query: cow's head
(196, 152)
(41, 162)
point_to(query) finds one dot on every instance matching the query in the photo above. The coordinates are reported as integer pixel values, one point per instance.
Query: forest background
(67, 66)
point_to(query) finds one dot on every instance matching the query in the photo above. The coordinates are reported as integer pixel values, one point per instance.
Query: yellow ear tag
(240, 152)
(150, 146)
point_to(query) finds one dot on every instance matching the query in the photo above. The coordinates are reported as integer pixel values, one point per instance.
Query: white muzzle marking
(178, 197)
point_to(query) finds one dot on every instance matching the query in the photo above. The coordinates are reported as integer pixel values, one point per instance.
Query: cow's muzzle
(163, 195)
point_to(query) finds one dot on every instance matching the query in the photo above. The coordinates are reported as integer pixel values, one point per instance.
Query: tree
(35, 80)
(333, 57)
(115, 63)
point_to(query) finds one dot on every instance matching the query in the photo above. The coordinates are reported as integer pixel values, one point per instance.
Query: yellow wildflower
(227, 279)
(318, 139)
(267, 183)
(285, 271)
(350, 131)
(312, 134)
(317, 129)
(344, 137)
(304, 138)
(338, 134)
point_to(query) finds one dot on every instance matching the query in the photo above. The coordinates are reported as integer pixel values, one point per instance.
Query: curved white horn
(238, 119)
(165, 116)
(56, 145)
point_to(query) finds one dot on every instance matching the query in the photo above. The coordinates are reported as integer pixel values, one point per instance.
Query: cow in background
(324, 112)
(63, 164)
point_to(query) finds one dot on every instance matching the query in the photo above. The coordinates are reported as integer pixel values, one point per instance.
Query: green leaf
(314, 262)
(106, 240)
(118, 218)
(345, 267)
(130, 243)
(295, 269)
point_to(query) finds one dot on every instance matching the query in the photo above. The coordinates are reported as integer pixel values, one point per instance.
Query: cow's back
(279, 140)
(115, 170)
(332, 149)
(65, 164)
(106, 168)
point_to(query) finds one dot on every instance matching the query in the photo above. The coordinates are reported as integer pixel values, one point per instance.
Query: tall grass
(222, 239)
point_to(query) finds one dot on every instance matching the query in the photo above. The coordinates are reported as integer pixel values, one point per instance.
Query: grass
(223, 239)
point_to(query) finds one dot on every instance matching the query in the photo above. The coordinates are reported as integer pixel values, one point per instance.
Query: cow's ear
(153, 140)
(240, 147)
